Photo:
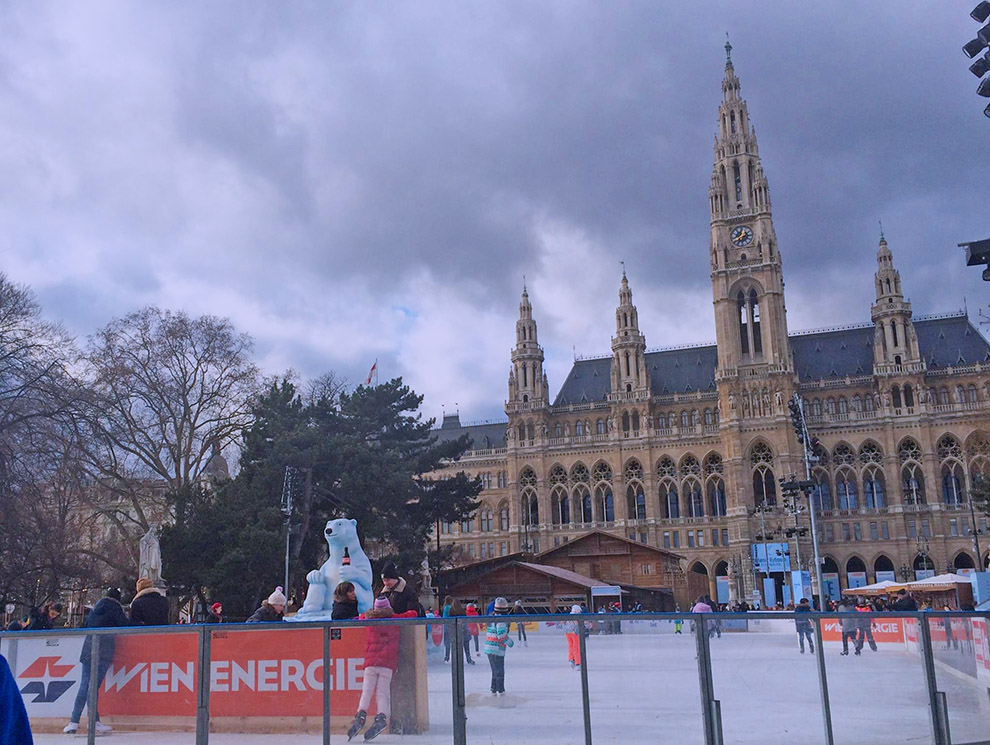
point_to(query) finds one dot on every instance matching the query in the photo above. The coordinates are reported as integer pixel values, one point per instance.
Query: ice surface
(644, 689)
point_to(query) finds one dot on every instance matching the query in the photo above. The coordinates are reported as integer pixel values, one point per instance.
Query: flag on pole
(371, 373)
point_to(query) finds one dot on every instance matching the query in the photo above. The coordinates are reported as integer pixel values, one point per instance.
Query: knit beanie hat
(144, 584)
(382, 602)
(114, 592)
(576, 609)
(501, 604)
(277, 597)
(389, 571)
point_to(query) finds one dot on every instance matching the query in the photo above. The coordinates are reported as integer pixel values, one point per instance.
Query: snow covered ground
(644, 689)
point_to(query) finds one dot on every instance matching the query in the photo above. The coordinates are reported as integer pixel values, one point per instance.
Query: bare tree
(168, 391)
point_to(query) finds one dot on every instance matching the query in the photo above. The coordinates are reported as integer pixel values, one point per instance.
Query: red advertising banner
(884, 631)
(252, 673)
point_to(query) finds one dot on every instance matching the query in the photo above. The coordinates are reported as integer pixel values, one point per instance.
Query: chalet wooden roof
(590, 544)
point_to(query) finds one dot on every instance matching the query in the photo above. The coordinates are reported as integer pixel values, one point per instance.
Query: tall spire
(527, 381)
(747, 278)
(628, 345)
(895, 343)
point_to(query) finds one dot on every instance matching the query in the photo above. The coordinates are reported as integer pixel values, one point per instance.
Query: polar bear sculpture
(342, 538)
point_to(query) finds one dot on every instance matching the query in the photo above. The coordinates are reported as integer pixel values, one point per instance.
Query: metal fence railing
(929, 671)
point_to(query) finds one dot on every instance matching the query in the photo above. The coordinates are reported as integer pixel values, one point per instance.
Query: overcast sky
(362, 180)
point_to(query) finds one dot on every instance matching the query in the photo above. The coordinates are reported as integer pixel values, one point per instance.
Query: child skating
(381, 658)
(496, 640)
(573, 640)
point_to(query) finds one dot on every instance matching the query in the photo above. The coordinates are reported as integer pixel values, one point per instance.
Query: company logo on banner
(771, 557)
(801, 581)
(830, 581)
(722, 589)
(886, 577)
(49, 678)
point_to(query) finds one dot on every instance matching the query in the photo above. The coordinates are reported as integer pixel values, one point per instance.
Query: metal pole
(94, 683)
(203, 687)
(288, 533)
(585, 692)
(811, 505)
(710, 706)
(939, 736)
(327, 685)
(823, 684)
(976, 533)
(457, 683)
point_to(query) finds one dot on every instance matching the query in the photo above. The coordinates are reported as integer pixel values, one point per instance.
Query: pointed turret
(527, 381)
(628, 346)
(895, 346)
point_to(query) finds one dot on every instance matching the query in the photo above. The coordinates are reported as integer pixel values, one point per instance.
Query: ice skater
(381, 658)
(572, 629)
(850, 628)
(518, 610)
(496, 641)
(803, 625)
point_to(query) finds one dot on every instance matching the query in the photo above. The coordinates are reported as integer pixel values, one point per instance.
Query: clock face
(742, 235)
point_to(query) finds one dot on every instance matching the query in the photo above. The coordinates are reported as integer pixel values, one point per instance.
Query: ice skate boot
(359, 719)
(376, 728)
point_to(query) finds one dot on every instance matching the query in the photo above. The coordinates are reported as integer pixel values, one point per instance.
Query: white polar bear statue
(341, 534)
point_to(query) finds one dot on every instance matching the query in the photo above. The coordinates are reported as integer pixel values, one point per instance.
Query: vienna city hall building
(682, 449)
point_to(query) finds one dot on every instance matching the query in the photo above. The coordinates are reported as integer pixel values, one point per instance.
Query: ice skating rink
(644, 689)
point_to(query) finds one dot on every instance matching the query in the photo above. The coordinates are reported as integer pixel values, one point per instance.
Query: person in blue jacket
(106, 613)
(15, 729)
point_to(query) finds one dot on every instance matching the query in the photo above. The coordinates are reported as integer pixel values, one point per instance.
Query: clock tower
(747, 281)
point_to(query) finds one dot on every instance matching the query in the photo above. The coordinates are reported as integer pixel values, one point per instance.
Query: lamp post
(808, 443)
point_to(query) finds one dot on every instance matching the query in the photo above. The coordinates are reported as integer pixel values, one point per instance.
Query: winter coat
(701, 608)
(214, 618)
(802, 623)
(108, 613)
(382, 646)
(149, 608)
(14, 724)
(852, 623)
(474, 629)
(403, 598)
(39, 621)
(344, 610)
(265, 614)
(497, 639)
(905, 603)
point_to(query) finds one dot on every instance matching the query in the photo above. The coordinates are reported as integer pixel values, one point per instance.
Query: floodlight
(981, 66)
(981, 12)
(984, 34)
(986, 111)
(973, 48)
(984, 88)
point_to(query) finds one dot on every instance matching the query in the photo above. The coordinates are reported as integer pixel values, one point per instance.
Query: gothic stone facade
(676, 448)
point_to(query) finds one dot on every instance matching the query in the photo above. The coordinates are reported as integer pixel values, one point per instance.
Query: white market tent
(877, 588)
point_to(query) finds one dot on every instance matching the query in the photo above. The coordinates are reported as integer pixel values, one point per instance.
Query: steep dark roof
(483, 436)
(818, 355)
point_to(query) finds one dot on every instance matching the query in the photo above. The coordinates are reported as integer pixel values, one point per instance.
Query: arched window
(694, 417)
(605, 503)
(503, 516)
(843, 406)
(708, 417)
(868, 403)
(845, 490)
(582, 504)
(635, 421)
(755, 306)
(816, 407)
(882, 564)
(530, 431)
(625, 421)
(953, 493)
(661, 421)
(908, 396)
(857, 403)
(635, 501)
(670, 506)
(560, 511)
(764, 486)
(830, 406)
(684, 419)
(943, 396)
(960, 394)
(600, 427)
(694, 497)
(743, 322)
(579, 428)
(487, 520)
(530, 508)
(895, 393)
(716, 496)
(972, 395)
(874, 494)
(666, 467)
(843, 455)
(823, 490)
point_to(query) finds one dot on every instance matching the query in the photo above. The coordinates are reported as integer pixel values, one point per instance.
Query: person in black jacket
(271, 610)
(216, 613)
(345, 604)
(150, 606)
(905, 601)
(44, 619)
(802, 625)
(108, 613)
(14, 724)
(401, 596)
